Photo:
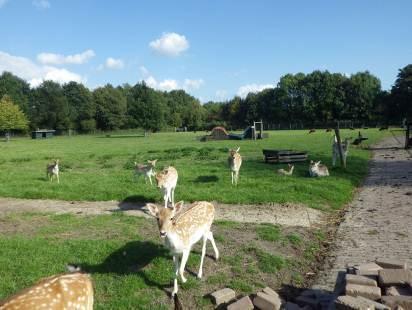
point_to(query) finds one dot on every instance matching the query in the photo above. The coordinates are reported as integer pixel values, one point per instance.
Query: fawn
(146, 170)
(63, 291)
(167, 180)
(181, 230)
(52, 170)
(344, 149)
(316, 169)
(234, 161)
(286, 172)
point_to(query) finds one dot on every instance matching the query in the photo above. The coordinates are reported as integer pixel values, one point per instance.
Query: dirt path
(378, 223)
(283, 214)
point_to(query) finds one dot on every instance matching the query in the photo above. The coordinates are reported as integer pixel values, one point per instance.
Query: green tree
(81, 106)
(146, 107)
(111, 106)
(16, 88)
(11, 117)
(49, 107)
(402, 93)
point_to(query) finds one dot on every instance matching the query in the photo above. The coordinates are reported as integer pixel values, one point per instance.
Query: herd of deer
(179, 229)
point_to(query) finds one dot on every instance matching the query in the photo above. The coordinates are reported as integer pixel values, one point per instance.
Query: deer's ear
(178, 206)
(238, 149)
(153, 209)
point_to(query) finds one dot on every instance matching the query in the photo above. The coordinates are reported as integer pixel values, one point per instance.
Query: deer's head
(233, 152)
(152, 162)
(164, 216)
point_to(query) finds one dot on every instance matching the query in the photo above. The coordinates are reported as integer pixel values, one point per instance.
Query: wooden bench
(284, 156)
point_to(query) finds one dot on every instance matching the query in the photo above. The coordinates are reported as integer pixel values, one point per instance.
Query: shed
(42, 134)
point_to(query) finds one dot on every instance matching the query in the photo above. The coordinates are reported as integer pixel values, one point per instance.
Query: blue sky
(213, 49)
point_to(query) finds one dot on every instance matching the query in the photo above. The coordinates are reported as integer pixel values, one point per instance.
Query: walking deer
(344, 149)
(316, 169)
(234, 161)
(286, 172)
(166, 181)
(52, 170)
(63, 291)
(146, 170)
(181, 230)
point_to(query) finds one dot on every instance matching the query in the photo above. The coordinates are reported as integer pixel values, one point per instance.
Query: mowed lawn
(130, 267)
(101, 168)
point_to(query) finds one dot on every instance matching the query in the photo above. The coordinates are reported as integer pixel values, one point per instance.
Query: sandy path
(283, 214)
(378, 221)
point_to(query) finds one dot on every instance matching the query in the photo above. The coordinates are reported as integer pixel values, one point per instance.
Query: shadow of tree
(206, 179)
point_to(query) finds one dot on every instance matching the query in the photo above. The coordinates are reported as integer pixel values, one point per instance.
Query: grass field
(132, 270)
(101, 168)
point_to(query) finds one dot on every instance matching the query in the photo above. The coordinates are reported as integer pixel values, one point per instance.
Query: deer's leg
(212, 240)
(58, 180)
(200, 273)
(232, 177)
(172, 191)
(176, 261)
(236, 176)
(334, 159)
(182, 266)
(150, 179)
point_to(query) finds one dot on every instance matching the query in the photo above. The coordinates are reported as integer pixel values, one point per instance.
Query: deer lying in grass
(316, 169)
(166, 181)
(63, 291)
(312, 130)
(286, 172)
(181, 230)
(335, 150)
(146, 170)
(52, 170)
(234, 161)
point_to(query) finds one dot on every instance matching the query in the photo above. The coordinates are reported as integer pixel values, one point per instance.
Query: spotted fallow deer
(166, 181)
(181, 230)
(146, 170)
(63, 291)
(52, 170)
(234, 161)
(286, 172)
(316, 169)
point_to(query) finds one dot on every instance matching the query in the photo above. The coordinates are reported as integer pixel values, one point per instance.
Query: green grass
(130, 267)
(100, 168)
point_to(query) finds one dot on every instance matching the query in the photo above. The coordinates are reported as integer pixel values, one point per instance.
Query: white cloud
(35, 74)
(169, 84)
(113, 63)
(41, 4)
(2, 2)
(170, 44)
(192, 84)
(221, 94)
(58, 59)
(244, 90)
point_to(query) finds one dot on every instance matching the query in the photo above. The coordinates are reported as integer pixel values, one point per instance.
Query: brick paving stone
(361, 280)
(393, 277)
(223, 296)
(370, 292)
(378, 225)
(242, 304)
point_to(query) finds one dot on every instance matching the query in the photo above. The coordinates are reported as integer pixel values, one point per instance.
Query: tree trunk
(337, 133)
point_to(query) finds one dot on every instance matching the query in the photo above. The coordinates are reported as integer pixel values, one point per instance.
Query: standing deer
(146, 170)
(286, 172)
(63, 291)
(166, 181)
(234, 161)
(316, 169)
(344, 149)
(52, 170)
(181, 230)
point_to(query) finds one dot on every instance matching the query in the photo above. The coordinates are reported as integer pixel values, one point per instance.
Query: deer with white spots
(146, 170)
(71, 291)
(234, 161)
(166, 181)
(181, 230)
(52, 170)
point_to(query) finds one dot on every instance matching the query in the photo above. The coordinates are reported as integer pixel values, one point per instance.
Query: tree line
(309, 99)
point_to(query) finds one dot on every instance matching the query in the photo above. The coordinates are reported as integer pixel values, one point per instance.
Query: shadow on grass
(131, 258)
(121, 136)
(206, 179)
